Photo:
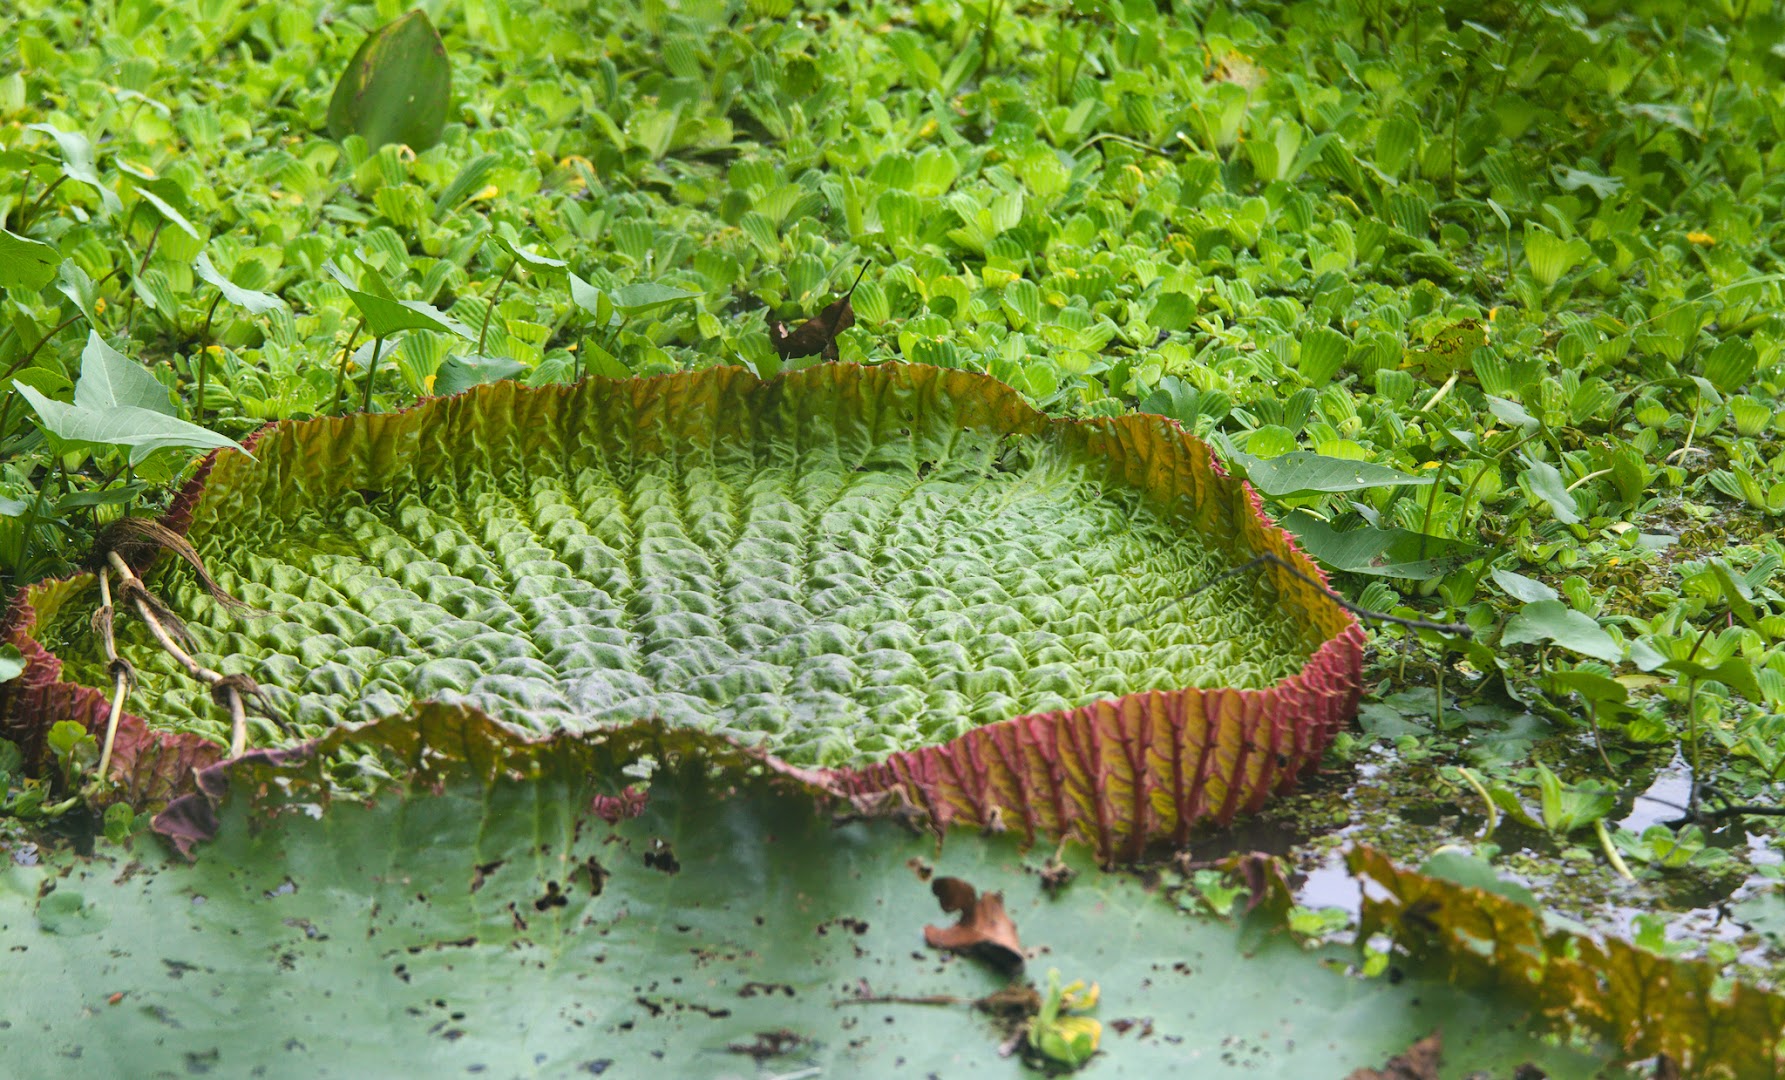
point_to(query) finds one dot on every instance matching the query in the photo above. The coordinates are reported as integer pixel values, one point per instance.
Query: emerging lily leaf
(396, 88)
(900, 571)
(1607, 990)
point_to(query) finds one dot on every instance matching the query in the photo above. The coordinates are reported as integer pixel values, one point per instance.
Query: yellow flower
(490, 191)
(99, 306)
(1702, 239)
(429, 383)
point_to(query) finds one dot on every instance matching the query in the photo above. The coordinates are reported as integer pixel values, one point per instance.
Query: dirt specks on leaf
(593, 875)
(662, 857)
(985, 929)
(554, 897)
(769, 1044)
(1420, 1062)
(482, 872)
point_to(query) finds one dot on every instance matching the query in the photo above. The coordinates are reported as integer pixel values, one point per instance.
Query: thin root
(229, 690)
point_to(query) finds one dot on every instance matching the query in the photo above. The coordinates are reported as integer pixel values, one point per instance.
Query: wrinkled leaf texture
(905, 573)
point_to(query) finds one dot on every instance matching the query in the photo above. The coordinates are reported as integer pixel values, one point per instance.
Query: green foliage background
(1529, 252)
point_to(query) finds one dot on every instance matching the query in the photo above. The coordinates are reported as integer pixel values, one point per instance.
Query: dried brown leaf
(817, 335)
(1420, 1062)
(985, 929)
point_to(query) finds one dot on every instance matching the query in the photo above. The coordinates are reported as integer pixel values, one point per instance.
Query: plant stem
(47, 192)
(220, 684)
(1084, 44)
(372, 373)
(1456, 122)
(130, 301)
(24, 190)
(120, 672)
(1611, 853)
(204, 358)
(1493, 811)
(1598, 740)
(985, 37)
(491, 309)
(1425, 527)
(341, 375)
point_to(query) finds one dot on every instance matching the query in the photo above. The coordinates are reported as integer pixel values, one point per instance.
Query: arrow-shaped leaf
(118, 403)
(258, 303)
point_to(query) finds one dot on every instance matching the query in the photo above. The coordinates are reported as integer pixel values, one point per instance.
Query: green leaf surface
(1380, 552)
(1303, 473)
(385, 316)
(118, 403)
(1555, 622)
(77, 162)
(26, 265)
(594, 301)
(532, 259)
(850, 566)
(643, 296)
(1546, 483)
(484, 918)
(250, 300)
(397, 87)
(1522, 588)
(461, 373)
(12, 663)
(168, 211)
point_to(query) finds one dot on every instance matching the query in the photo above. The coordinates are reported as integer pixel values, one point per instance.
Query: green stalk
(341, 374)
(204, 358)
(491, 309)
(1493, 811)
(372, 373)
(1425, 528)
(1611, 853)
(1455, 122)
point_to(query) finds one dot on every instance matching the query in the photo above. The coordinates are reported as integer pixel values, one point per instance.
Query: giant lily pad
(901, 572)
(499, 913)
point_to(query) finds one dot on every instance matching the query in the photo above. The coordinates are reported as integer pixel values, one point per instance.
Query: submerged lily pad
(846, 566)
(494, 915)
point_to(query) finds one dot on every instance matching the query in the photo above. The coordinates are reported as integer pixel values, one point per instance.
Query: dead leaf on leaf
(985, 929)
(1420, 1062)
(818, 334)
(1266, 878)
